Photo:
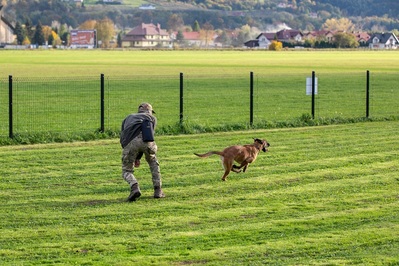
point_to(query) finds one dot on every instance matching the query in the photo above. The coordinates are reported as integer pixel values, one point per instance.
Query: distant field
(66, 63)
(321, 196)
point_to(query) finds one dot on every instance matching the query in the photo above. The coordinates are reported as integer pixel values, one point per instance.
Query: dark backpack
(147, 129)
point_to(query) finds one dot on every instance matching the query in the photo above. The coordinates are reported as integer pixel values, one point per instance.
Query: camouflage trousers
(129, 155)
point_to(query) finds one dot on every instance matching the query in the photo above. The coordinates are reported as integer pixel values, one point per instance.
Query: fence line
(89, 104)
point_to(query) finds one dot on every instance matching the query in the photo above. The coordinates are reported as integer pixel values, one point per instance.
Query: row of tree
(58, 34)
(28, 33)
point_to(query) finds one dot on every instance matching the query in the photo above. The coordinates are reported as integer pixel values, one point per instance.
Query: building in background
(147, 36)
(7, 35)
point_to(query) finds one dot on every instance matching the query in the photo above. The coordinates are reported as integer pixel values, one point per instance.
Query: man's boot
(158, 193)
(135, 193)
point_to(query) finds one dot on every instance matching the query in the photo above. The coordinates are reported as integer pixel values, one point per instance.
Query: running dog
(244, 155)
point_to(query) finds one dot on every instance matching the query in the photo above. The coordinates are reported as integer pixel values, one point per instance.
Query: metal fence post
(251, 99)
(102, 104)
(367, 94)
(313, 93)
(181, 98)
(10, 103)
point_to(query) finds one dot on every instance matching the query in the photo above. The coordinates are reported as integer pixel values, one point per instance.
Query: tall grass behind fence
(3, 107)
(124, 94)
(62, 105)
(280, 97)
(384, 94)
(341, 95)
(217, 101)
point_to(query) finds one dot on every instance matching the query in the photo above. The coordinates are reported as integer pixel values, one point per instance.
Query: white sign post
(309, 86)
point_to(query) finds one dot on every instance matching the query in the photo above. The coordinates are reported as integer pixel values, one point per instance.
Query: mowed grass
(322, 195)
(72, 63)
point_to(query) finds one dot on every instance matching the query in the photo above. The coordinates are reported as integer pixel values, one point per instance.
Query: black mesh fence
(73, 105)
(384, 94)
(124, 94)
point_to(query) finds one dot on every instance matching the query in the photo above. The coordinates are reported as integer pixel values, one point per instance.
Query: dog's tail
(209, 154)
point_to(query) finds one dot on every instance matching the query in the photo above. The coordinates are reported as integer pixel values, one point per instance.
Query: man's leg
(153, 163)
(128, 158)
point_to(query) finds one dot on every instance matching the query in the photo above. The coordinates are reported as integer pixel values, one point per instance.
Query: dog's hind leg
(227, 165)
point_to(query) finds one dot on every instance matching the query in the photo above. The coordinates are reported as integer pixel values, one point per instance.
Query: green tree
(225, 39)
(38, 37)
(50, 40)
(345, 40)
(119, 39)
(196, 26)
(19, 32)
(29, 32)
(179, 37)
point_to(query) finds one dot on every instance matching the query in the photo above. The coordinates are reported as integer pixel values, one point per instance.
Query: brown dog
(244, 155)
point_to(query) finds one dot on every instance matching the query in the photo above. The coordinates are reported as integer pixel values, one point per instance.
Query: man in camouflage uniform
(137, 138)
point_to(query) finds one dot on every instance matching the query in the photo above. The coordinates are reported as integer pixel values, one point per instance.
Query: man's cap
(146, 107)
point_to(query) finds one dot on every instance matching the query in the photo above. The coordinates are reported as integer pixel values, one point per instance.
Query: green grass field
(67, 63)
(324, 195)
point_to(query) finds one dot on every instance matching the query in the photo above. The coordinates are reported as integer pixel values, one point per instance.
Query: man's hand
(137, 163)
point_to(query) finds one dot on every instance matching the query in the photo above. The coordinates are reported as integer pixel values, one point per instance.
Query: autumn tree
(276, 46)
(26, 41)
(242, 35)
(54, 39)
(207, 33)
(47, 30)
(225, 38)
(105, 31)
(342, 24)
(175, 22)
(88, 25)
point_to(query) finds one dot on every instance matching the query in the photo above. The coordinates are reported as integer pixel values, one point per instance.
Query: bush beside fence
(74, 106)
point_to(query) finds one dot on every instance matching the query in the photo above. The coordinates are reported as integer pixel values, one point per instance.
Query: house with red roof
(147, 36)
(264, 39)
(320, 35)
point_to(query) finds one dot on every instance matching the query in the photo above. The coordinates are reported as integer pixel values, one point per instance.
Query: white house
(383, 41)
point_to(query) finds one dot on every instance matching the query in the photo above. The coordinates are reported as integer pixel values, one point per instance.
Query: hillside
(355, 8)
(371, 15)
